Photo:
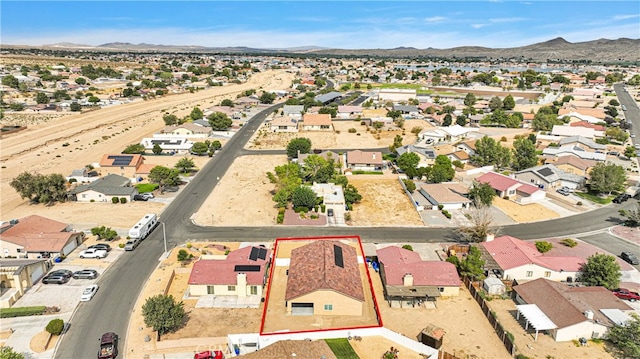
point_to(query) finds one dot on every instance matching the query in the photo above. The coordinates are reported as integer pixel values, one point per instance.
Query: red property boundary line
(366, 267)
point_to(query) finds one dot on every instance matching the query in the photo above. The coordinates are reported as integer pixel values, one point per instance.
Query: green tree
(10, 81)
(329, 110)
(163, 313)
(42, 98)
(81, 81)
(196, 114)
(267, 97)
(40, 188)
(156, 149)
(614, 102)
(632, 215)
(303, 196)
(185, 165)
(199, 148)
(508, 103)
(351, 194)
(318, 169)
(626, 338)
(136, 148)
(408, 161)
(490, 152)
(7, 352)
(298, 145)
(216, 145)
(219, 121)
(607, 178)
(75, 107)
(411, 186)
(448, 120)
(442, 170)
(93, 99)
(601, 270)
(170, 119)
(524, 154)
(470, 100)
(495, 103)
(545, 119)
(286, 179)
(473, 265)
(629, 152)
(164, 176)
(482, 193)
(543, 246)
(461, 120)
(617, 134)
(105, 233)
(55, 326)
(227, 102)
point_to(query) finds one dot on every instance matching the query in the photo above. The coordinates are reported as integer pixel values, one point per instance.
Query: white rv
(144, 226)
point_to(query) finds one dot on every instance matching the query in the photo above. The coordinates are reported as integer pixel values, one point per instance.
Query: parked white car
(89, 292)
(93, 253)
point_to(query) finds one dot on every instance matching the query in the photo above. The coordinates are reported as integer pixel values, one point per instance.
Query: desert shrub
(352, 130)
(408, 247)
(503, 139)
(114, 200)
(323, 208)
(347, 216)
(569, 242)
(55, 327)
(579, 203)
(183, 255)
(440, 207)
(543, 246)
(280, 218)
(446, 213)
(123, 200)
(121, 245)
(301, 209)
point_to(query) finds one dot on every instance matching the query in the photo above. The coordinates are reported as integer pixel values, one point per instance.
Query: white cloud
(478, 26)
(625, 17)
(435, 19)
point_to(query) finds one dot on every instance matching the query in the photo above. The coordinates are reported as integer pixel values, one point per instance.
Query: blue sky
(337, 24)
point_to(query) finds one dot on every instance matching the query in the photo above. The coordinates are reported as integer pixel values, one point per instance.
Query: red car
(626, 294)
(209, 354)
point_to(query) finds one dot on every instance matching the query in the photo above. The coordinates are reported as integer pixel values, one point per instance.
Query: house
(284, 124)
(240, 274)
(588, 125)
(407, 278)
(582, 142)
(427, 155)
(122, 164)
(328, 98)
(364, 161)
(412, 111)
(18, 275)
(520, 260)
(35, 237)
(293, 111)
(327, 155)
(83, 175)
(574, 165)
(104, 189)
(460, 155)
(569, 313)
(188, 129)
(549, 176)
(455, 133)
(569, 131)
(332, 197)
(449, 195)
(316, 122)
(247, 101)
(349, 111)
(511, 188)
(324, 279)
(576, 150)
(168, 144)
(467, 146)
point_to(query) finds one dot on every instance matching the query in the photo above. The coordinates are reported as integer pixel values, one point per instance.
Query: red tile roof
(497, 181)
(510, 252)
(588, 125)
(38, 234)
(136, 160)
(312, 268)
(358, 157)
(399, 261)
(222, 272)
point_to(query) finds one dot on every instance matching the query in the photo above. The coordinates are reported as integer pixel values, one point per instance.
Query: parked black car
(104, 246)
(621, 198)
(139, 197)
(55, 279)
(63, 272)
(85, 274)
(630, 258)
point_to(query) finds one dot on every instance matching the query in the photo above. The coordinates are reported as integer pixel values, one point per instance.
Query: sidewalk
(25, 328)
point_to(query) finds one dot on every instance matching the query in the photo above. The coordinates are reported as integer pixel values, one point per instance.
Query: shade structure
(535, 317)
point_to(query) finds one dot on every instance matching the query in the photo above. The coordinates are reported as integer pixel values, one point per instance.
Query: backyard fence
(503, 335)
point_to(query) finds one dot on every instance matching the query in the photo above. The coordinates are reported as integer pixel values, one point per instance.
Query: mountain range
(601, 50)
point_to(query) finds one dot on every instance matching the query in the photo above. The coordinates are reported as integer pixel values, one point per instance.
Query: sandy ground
(39, 342)
(90, 135)
(520, 213)
(340, 138)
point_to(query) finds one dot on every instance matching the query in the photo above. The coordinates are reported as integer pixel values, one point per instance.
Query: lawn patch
(146, 187)
(341, 348)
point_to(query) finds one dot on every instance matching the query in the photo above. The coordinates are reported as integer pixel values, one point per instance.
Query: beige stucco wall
(538, 272)
(11, 250)
(199, 290)
(342, 305)
(129, 172)
(450, 292)
(576, 331)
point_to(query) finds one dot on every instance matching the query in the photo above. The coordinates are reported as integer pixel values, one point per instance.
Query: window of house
(441, 289)
(529, 273)
(210, 289)
(19, 250)
(231, 288)
(547, 274)
(328, 307)
(253, 289)
(84, 195)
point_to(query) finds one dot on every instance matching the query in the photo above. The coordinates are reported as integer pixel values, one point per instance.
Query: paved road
(632, 114)
(121, 284)
(614, 244)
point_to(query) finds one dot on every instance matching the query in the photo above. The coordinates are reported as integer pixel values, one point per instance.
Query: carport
(536, 317)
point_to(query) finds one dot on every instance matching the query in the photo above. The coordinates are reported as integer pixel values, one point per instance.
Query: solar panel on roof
(545, 171)
(254, 254)
(246, 268)
(262, 253)
(120, 160)
(337, 253)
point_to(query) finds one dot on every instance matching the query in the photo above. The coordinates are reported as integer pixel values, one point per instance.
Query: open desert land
(340, 138)
(64, 144)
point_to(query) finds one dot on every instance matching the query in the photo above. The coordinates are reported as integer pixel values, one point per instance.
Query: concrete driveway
(25, 328)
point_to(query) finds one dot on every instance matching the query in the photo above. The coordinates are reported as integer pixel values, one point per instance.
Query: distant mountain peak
(557, 41)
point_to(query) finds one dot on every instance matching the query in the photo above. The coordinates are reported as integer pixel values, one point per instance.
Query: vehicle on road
(104, 246)
(626, 294)
(563, 191)
(209, 354)
(144, 227)
(93, 253)
(621, 198)
(147, 195)
(624, 108)
(88, 293)
(132, 244)
(55, 279)
(139, 197)
(108, 346)
(85, 274)
(630, 258)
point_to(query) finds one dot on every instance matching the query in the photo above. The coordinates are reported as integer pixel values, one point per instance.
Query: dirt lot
(64, 144)
(545, 346)
(531, 212)
(383, 203)
(340, 138)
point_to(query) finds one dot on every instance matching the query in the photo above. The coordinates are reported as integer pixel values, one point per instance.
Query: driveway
(25, 328)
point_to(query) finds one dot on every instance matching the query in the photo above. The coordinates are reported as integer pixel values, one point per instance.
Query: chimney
(588, 314)
(407, 280)
(490, 237)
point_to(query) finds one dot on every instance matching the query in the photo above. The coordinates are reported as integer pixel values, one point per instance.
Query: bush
(183, 255)
(440, 207)
(123, 200)
(503, 139)
(301, 209)
(543, 246)
(93, 200)
(121, 245)
(446, 213)
(569, 242)
(323, 208)
(55, 327)
(352, 130)
(408, 247)
(347, 216)
(280, 218)
(114, 200)
(21, 311)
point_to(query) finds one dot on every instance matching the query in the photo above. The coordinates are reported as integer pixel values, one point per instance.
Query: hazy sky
(336, 24)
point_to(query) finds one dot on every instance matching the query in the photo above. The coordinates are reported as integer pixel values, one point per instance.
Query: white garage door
(36, 274)
(69, 247)
(301, 308)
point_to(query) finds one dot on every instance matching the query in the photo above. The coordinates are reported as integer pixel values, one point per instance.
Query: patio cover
(535, 316)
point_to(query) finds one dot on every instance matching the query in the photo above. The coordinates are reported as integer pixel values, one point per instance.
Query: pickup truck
(626, 294)
(108, 346)
(93, 253)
